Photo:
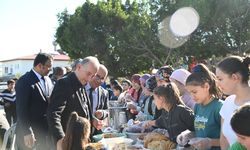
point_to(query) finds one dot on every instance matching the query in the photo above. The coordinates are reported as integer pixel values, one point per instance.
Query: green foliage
(121, 36)
(124, 36)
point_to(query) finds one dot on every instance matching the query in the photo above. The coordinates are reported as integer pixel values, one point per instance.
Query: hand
(147, 124)
(128, 98)
(183, 138)
(29, 140)
(98, 124)
(7, 104)
(200, 143)
(131, 106)
(98, 114)
(133, 111)
(59, 144)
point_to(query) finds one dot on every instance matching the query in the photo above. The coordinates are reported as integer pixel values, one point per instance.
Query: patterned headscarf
(164, 73)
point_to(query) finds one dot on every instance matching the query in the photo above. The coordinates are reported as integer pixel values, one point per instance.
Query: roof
(58, 57)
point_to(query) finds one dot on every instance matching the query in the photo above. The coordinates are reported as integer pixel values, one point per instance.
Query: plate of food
(95, 146)
(157, 141)
(117, 143)
(136, 130)
(99, 137)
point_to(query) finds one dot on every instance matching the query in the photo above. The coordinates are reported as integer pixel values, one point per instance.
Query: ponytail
(236, 64)
(201, 75)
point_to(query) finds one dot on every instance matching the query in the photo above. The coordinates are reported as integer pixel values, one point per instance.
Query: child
(163, 74)
(175, 117)
(77, 133)
(117, 90)
(201, 84)
(233, 77)
(148, 105)
(240, 123)
(179, 77)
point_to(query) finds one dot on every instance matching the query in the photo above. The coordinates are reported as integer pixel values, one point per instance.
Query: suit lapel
(99, 102)
(85, 97)
(37, 84)
(49, 86)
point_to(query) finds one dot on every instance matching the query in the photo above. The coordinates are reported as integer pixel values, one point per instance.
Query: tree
(125, 36)
(224, 26)
(121, 36)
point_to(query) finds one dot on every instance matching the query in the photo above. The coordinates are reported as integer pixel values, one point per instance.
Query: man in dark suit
(69, 95)
(98, 98)
(32, 97)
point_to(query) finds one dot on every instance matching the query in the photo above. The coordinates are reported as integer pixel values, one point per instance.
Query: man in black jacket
(32, 97)
(69, 95)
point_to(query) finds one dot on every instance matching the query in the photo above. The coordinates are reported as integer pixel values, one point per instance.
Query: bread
(95, 146)
(120, 146)
(157, 141)
(161, 145)
(153, 137)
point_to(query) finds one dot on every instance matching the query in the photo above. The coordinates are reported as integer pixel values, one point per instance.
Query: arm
(187, 117)
(223, 141)
(23, 95)
(55, 109)
(149, 124)
(215, 142)
(106, 104)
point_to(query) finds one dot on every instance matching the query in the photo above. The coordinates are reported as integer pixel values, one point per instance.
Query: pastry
(157, 141)
(153, 137)
(95, 146)
(161, 145)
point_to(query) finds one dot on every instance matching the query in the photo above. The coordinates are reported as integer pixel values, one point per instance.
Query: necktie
(44, 81)
(91, 97)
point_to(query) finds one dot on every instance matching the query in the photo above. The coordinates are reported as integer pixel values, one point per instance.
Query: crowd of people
(65, 110)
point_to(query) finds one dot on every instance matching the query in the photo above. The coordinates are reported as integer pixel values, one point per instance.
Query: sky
(28, 26)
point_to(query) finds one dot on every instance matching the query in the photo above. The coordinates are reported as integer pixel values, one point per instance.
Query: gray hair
(76, 62)
(84, 61)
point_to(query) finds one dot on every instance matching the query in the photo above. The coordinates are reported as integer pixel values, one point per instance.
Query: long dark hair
(77, 133)
(236, 64)
(201, 75)
(170, 93)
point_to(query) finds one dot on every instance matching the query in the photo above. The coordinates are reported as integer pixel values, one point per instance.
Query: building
(19, 66)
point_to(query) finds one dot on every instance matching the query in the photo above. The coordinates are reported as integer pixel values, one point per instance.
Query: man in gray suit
(98, 97)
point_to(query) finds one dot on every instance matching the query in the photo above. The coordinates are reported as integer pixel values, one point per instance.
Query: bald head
(86, 69)
(100, 77)
(103, 69)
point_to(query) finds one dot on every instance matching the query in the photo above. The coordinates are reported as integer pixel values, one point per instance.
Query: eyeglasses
(99, 78)
(124, 84)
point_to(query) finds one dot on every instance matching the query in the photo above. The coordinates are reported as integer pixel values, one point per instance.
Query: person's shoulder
(102, 89)
(183, 108)
(218, 102)
(5, 91)
(229, 101)
(230, 98)
(26, 78)
(237, 146)
(228, 106)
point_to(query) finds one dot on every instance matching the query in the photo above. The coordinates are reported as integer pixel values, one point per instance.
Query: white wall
(20, 67)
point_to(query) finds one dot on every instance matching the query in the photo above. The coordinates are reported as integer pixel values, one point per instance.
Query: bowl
(99, 137)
